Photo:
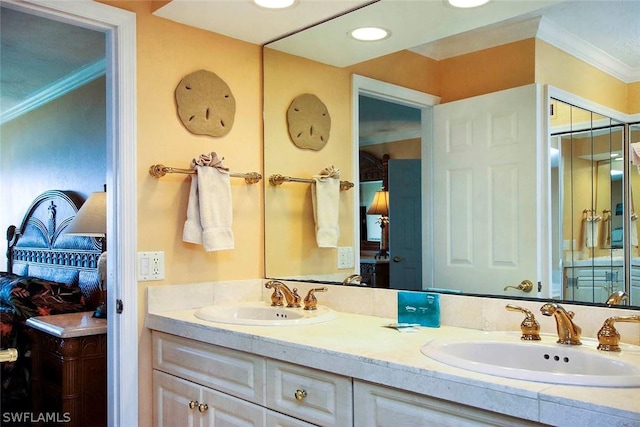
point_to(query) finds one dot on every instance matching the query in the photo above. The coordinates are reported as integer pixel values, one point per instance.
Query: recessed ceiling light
(467, 3)
(369, 34)
(274, 4)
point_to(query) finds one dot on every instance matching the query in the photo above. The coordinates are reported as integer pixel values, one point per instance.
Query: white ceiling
(243, 20)
(608, 30)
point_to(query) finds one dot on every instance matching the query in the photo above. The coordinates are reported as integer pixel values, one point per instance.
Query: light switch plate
(345, 257)
(150, 266)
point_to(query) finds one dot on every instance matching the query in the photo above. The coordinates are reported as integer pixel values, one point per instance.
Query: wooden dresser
(375, 272)
(69, 368)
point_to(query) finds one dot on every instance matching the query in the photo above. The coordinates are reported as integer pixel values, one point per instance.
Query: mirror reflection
(565, 232)
(588, 169)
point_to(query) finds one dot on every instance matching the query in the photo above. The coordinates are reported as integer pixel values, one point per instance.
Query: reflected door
(485, 191)
(405, 224)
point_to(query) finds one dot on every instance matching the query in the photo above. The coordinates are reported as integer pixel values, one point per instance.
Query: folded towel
(635, 154)
(633, 235)
(326, 203)
(209, 210)
(592, 224)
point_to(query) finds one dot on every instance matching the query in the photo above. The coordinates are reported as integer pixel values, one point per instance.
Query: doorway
(118, 27)
(420, 105)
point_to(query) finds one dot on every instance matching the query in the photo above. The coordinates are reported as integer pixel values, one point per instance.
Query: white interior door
(485, 190)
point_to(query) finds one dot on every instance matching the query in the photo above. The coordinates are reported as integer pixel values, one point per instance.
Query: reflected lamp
(380, 206)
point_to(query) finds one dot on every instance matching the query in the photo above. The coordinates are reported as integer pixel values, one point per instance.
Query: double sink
(500, 354)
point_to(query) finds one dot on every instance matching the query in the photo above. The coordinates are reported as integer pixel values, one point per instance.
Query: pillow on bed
(32, 296)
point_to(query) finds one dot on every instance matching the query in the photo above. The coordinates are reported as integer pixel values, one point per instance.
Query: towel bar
(277, 179)
(161, 170)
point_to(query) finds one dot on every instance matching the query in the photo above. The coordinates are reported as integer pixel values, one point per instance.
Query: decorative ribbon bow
(210, 159)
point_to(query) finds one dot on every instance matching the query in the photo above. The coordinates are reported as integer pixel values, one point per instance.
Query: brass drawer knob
(300, 394)
(193, 404)
(203, 407)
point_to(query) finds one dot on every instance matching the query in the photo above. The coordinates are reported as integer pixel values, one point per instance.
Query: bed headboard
(39, 247)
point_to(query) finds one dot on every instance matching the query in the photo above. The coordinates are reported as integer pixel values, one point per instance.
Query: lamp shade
(91, 219)
(380, 204)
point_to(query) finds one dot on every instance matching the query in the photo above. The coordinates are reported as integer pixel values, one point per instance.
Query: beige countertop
(362, 347)
(69, 325)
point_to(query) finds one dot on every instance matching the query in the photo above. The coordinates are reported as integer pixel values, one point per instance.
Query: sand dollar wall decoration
(309, 122)
(205, 104)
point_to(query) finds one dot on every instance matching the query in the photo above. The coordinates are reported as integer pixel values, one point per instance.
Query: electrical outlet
(345, 257)
(150, 266)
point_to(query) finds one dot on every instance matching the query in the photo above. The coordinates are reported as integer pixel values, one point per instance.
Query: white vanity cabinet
(200, 384)
(179, 402)
(380, 406)
(593, 283)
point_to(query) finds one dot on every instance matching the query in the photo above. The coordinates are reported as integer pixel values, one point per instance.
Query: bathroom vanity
(352, 370)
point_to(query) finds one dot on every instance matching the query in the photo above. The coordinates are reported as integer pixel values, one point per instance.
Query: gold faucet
(608, 336)
(280, 290)
(310, 301)
(530, 327)
(568, 332)
(353, 279)
(617, 297)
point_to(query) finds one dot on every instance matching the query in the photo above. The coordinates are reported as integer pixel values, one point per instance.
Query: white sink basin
(504, 355)
(262, 314)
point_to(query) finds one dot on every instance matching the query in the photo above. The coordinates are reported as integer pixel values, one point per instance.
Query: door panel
(486, 227)
(405, 224)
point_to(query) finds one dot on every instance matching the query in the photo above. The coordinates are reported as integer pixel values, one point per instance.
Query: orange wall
(166, 52)
(490, 70)
(403, 68)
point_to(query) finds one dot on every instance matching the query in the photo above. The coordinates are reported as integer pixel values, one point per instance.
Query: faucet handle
(530, 327)
(608, 335)
(296, 298)
(310, 301)
(277, 295)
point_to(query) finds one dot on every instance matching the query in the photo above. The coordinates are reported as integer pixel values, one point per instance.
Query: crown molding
(479, 39)
(390, 136)
(55, 90)
(538, 27)
(575, 46)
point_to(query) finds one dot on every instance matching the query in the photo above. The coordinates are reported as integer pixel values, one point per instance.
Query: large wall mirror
(576, 166)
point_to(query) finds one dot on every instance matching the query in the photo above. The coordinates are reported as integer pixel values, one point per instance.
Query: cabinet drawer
(327, 398)
(172, 398)
(381, 406)
(234, 372)
(276, 419)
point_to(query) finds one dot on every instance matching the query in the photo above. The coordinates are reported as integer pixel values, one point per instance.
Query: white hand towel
(326, 203)
(592, 232)
(635, 154)
(209, 210)
(633, 236)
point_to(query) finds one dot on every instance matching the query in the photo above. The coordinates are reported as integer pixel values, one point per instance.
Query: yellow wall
(634, 98)
(290, 237)
(559, 69)
(166, 52)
